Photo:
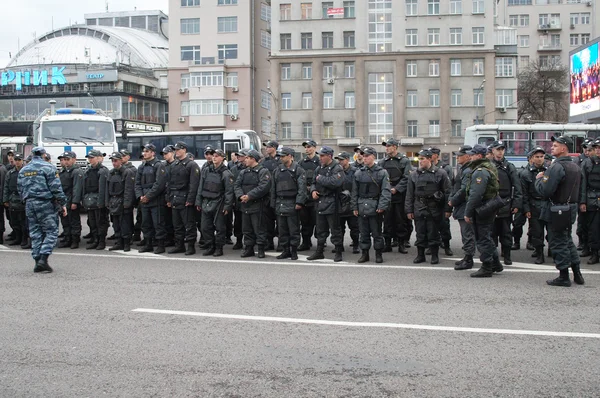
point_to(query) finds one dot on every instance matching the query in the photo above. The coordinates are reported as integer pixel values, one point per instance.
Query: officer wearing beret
(445, 233)
(396, 224)
(590, 202)
(458, 199)
(121, 193)
(288, 195)
(427, 204)
(71, 179)
(482, 187)
(533, 201)
(252, 187)
(560, 185)
(270, 162)
(308, 215)
(325, 190)
(371, 198)
(588, 151)
(237, 214)
(95, 199)
(347, 217)
(14, 203)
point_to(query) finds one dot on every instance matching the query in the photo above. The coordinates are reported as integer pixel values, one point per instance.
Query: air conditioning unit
(181, 119)
(234, 117)
(503, 110)
(589, 3)
(572, 26)
(182, 90)
(331, 80)
(235, 89)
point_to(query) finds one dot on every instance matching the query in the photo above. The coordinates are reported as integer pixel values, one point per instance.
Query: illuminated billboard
(584, 74)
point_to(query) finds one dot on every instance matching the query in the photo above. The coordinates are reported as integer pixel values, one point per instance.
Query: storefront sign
(33, 77)
(136, 126)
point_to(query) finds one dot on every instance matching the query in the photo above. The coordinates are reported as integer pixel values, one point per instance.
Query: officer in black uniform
(71, 179)
(520, 220)
(512, 192)
(588, 151)
(458, 199)
(168, 154)
(150, 182)
(358, 158)
(371, 198)
(184, 177)
(13, 202)
(482, 188)
(237, 214)
(252, 187)
(559, 185)
(590, 202)
(325, 190)
(121, 193)
(2, 224)
(308, 215)
(95, 199)
(137, 226)
(208, 155)
(445, 233)
(270, 162)
(288, 195)
(215, 201)
(396, 224)
(427, 204)
(533, 201)
(346, 214)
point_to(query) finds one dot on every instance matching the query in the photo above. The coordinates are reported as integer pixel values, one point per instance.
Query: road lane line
(372, 324)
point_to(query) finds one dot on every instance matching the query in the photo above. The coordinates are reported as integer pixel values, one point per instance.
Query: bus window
(133, 145)
(159, 143)
(231, 147)
(486, 141)
(516, 142)
(593, 134)
(202, 141)
(542, 139)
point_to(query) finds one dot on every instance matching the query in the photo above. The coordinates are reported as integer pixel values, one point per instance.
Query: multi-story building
(349, 72)
(218, 64)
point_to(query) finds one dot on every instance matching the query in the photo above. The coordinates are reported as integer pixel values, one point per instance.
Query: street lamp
(478, 93)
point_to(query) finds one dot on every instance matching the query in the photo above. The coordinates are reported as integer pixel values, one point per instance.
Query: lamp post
(478, 93)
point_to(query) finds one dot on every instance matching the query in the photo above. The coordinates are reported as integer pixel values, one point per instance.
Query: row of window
(544, 2)
(191, 26)
(209, 107)
(553, 40)
(328, 100)
(196, 3)
(575, 18)
(454, 7)
(202, 79)
(224, 51)
(306, 10)
(306, 73)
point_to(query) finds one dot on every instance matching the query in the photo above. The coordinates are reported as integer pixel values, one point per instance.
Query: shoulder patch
(545, 179)
(478, 180)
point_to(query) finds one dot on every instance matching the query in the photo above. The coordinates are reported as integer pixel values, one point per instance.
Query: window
(478, 37)
(433, 7)
(326, 5)
(285, 41)
(543, 19)
(455, 6)
(478, 97)
(433, 37)
(185, 108)
(585, 18)
(206, 107)
(307, 71)
(227, 24)
(434, 68)
(574, 18)
(327, 70)
(519, 2)
(327, 129)
(227, 2)
(585, 38)
(286, 100)
(285, 12)
(411, 37)
(524, 41)
(456, 128)
(478, 6)
(190, 26)
(505, 66)
(286, 130)
(524, 61)
(411, 99)
(349, 100)
(456, 36)
(349, 70)
(205, 79)
(456, 97)
(327, 39)
(411, 7)
(380, 26)
(478, 67)
(232, 107)
(380, 106)
(411, 68)
(327, 100)
(412, 129)
(306, 10)
(190, 3)
(265, 100)
(434, 98)
(265, 125)
(227, 51)
(350, 129)
(232, 79)
(185, 80)
(190, 53)
(265, 39)
(265, 12)
(306, 100)
(349, 9)
(434, 128)
(349, 41)
(286, 71)
(504, 98)
(513, 20)
(524, 20)
(307, 130)
(455, 67)
(306, 41)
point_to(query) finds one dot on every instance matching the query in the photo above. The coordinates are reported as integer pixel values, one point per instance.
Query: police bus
(229, 141)
(519, 139)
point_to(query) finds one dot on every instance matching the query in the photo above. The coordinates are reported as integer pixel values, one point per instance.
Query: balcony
(550, 47)
(553, 25)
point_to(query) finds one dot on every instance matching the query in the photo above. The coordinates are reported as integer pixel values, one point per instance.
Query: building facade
(218, 65)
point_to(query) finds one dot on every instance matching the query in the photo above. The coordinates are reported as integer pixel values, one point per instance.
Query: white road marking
(514, 264)
(372, 324)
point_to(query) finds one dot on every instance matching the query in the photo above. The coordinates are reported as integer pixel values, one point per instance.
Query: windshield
(85, 131)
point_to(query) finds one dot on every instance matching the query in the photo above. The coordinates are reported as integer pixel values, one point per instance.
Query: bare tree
(543, 93)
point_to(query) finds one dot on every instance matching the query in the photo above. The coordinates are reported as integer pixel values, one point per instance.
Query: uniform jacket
(448, 169)
(39, 180)
(458, 195)
(328, 182)
(423, 187)
(346, 194)
(225, 200)
(154, 190)
(510, 187)
(184, 177)
(121, 179)
(10, 193)
(2, 177)
(309, 165)
(398, 168)
(559, 185)
(256, 183)
(270, 163)
(71, 179)
(482, 185)
(371, 191)
(102, 179)
(590, 183)
(531, 198)
(286, 205)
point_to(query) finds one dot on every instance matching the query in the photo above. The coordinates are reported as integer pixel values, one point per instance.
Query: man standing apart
(71, 178)
(40, 188)
(458, 198)
(121, 192)
(95, 199)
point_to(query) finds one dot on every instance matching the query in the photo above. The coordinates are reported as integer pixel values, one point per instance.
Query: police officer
(358, 158)
(590, 202)
(533, 201)
(95, 199)
(2, 224)
(458, 197)
(209, 151)
(396, 224)
(288, 195)
(371, 198)
(482, 187)
(237, 219)
(346, 214)
(121, 199)
(150, 182)
(427, 204)
(137, 227)
(559, 185)
(588, 151)
(184, 177)
(520, 220)
(511, 192)
(13, 202)
(252, 187)
(71, 178)
(445, 234)
(325, 189)
(215, 201)
(168, 154)
(270, 162)
(308, 215)
(39, 186)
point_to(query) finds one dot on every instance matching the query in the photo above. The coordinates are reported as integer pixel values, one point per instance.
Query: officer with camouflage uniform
(533, 202)
(40, 188)
(71, 178)
(95, 199)
(590, 202)
(346, 214)
(445, 234)
(308, 215)
(458, 198)
(121, 194)
(13, 202)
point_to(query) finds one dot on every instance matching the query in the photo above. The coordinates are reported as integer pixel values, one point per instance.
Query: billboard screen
(584, 73)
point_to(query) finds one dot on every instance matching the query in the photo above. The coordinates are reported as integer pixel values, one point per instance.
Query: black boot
(562, 280)
(191, 248)
(92, 244)
(238, 244)
(420, 255)
(378, 256)
(101, 243)
(306, 244)
(293, 253)
(355, 248)
(540, 255)
(160, 246)
(594, 258)
(179, 248)
(402, 248)
(467, 263)
(88, 235)
(137, 237)
(42, 265)
(497, 265)
(530, 246)
(365, 257)
(516, 245)
(484, 272)
(75, 242)
(26, 244)
(338, 254)
(334, 250)
(169, 242)
(127, 244)
(142, 243)
(270, 245)
(117, 246)
(218, 251)
(284, 254)
(112, 237)
(462, 260)
(507, 260)
(248, 251)
(261, 251)
(65, 243)
(388, 246)
(210, 251)
(318, 255)
(435, 259)
(407, 244)
(586, 252)
(428, 251)
(447, 249)
(577, 277)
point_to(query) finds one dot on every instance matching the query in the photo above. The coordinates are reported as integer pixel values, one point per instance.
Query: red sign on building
(335, 11)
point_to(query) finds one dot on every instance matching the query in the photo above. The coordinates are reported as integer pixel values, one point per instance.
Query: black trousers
(582, 230)
(445, 233)
(468, 237)
(352, 222)
(269, 218)
(485, 244)
(427, 229)
(153, 222)
(254, 231)
(98, 219)
(18, 221)
(169, 230)
(2, 224)
(371, 226)
(564, 251)
(501, 231)
(396, 225)
(326, 223)
(289, 230)
(214, 228)
(229, 224)
(71, 223)
(536, 228)
(518, 224)
(308, 220)
(237, 224)
(137, 227)
(123, 224)
(184, 224)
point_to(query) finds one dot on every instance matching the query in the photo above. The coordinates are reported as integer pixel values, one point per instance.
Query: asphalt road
(107, 324)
